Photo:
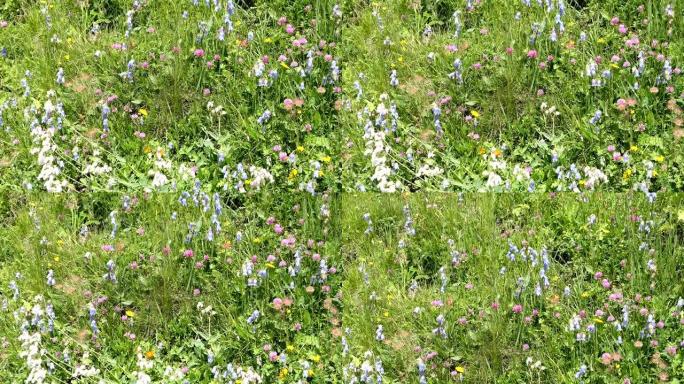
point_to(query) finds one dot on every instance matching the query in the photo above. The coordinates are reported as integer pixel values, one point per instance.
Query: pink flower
(108, 248)
(606, 358)
(517, 308)
(277, 303)
(289, 29)
(188, 253)
(288, 104)
(199, 52)
(532, 54)
(622, 29)
(615, 21)
(278, 229)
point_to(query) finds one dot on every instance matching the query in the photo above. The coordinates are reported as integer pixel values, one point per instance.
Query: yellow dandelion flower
(293, 174)
(142, 111)
(130, 313)
(460, 369)
(300, 148)
(659, 158)
(475, 114)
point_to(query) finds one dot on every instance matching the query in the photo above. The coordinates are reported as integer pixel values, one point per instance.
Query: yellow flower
(67, 57)
(598, 321)
(248, 181)
(386, 314)
(56, 258)
(482, 151)
(316, 358)
(460, 369)
(142, 111)
(475, 113)
(601, 40)
(582, 182)
(147, 149)
(300, 148)
(310, 372)
(130, 313)
(326, 159)
(289, 348)
(660, 158)
(634, 148)
(283, 373)
(268, 40)
(149, 355)
(293, 174)
(256, 240)
(400, 59)
(585, 294)
(627, 174)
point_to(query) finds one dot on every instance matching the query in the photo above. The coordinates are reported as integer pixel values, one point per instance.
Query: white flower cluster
(143, 364)
(42, 133)
(33, 353)
(594, 177)
(32, 326)
(260, 177)
(375, 148)
(85, 369)
(370, 371)
(96, 167)
(233, 375)
(161, 165)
